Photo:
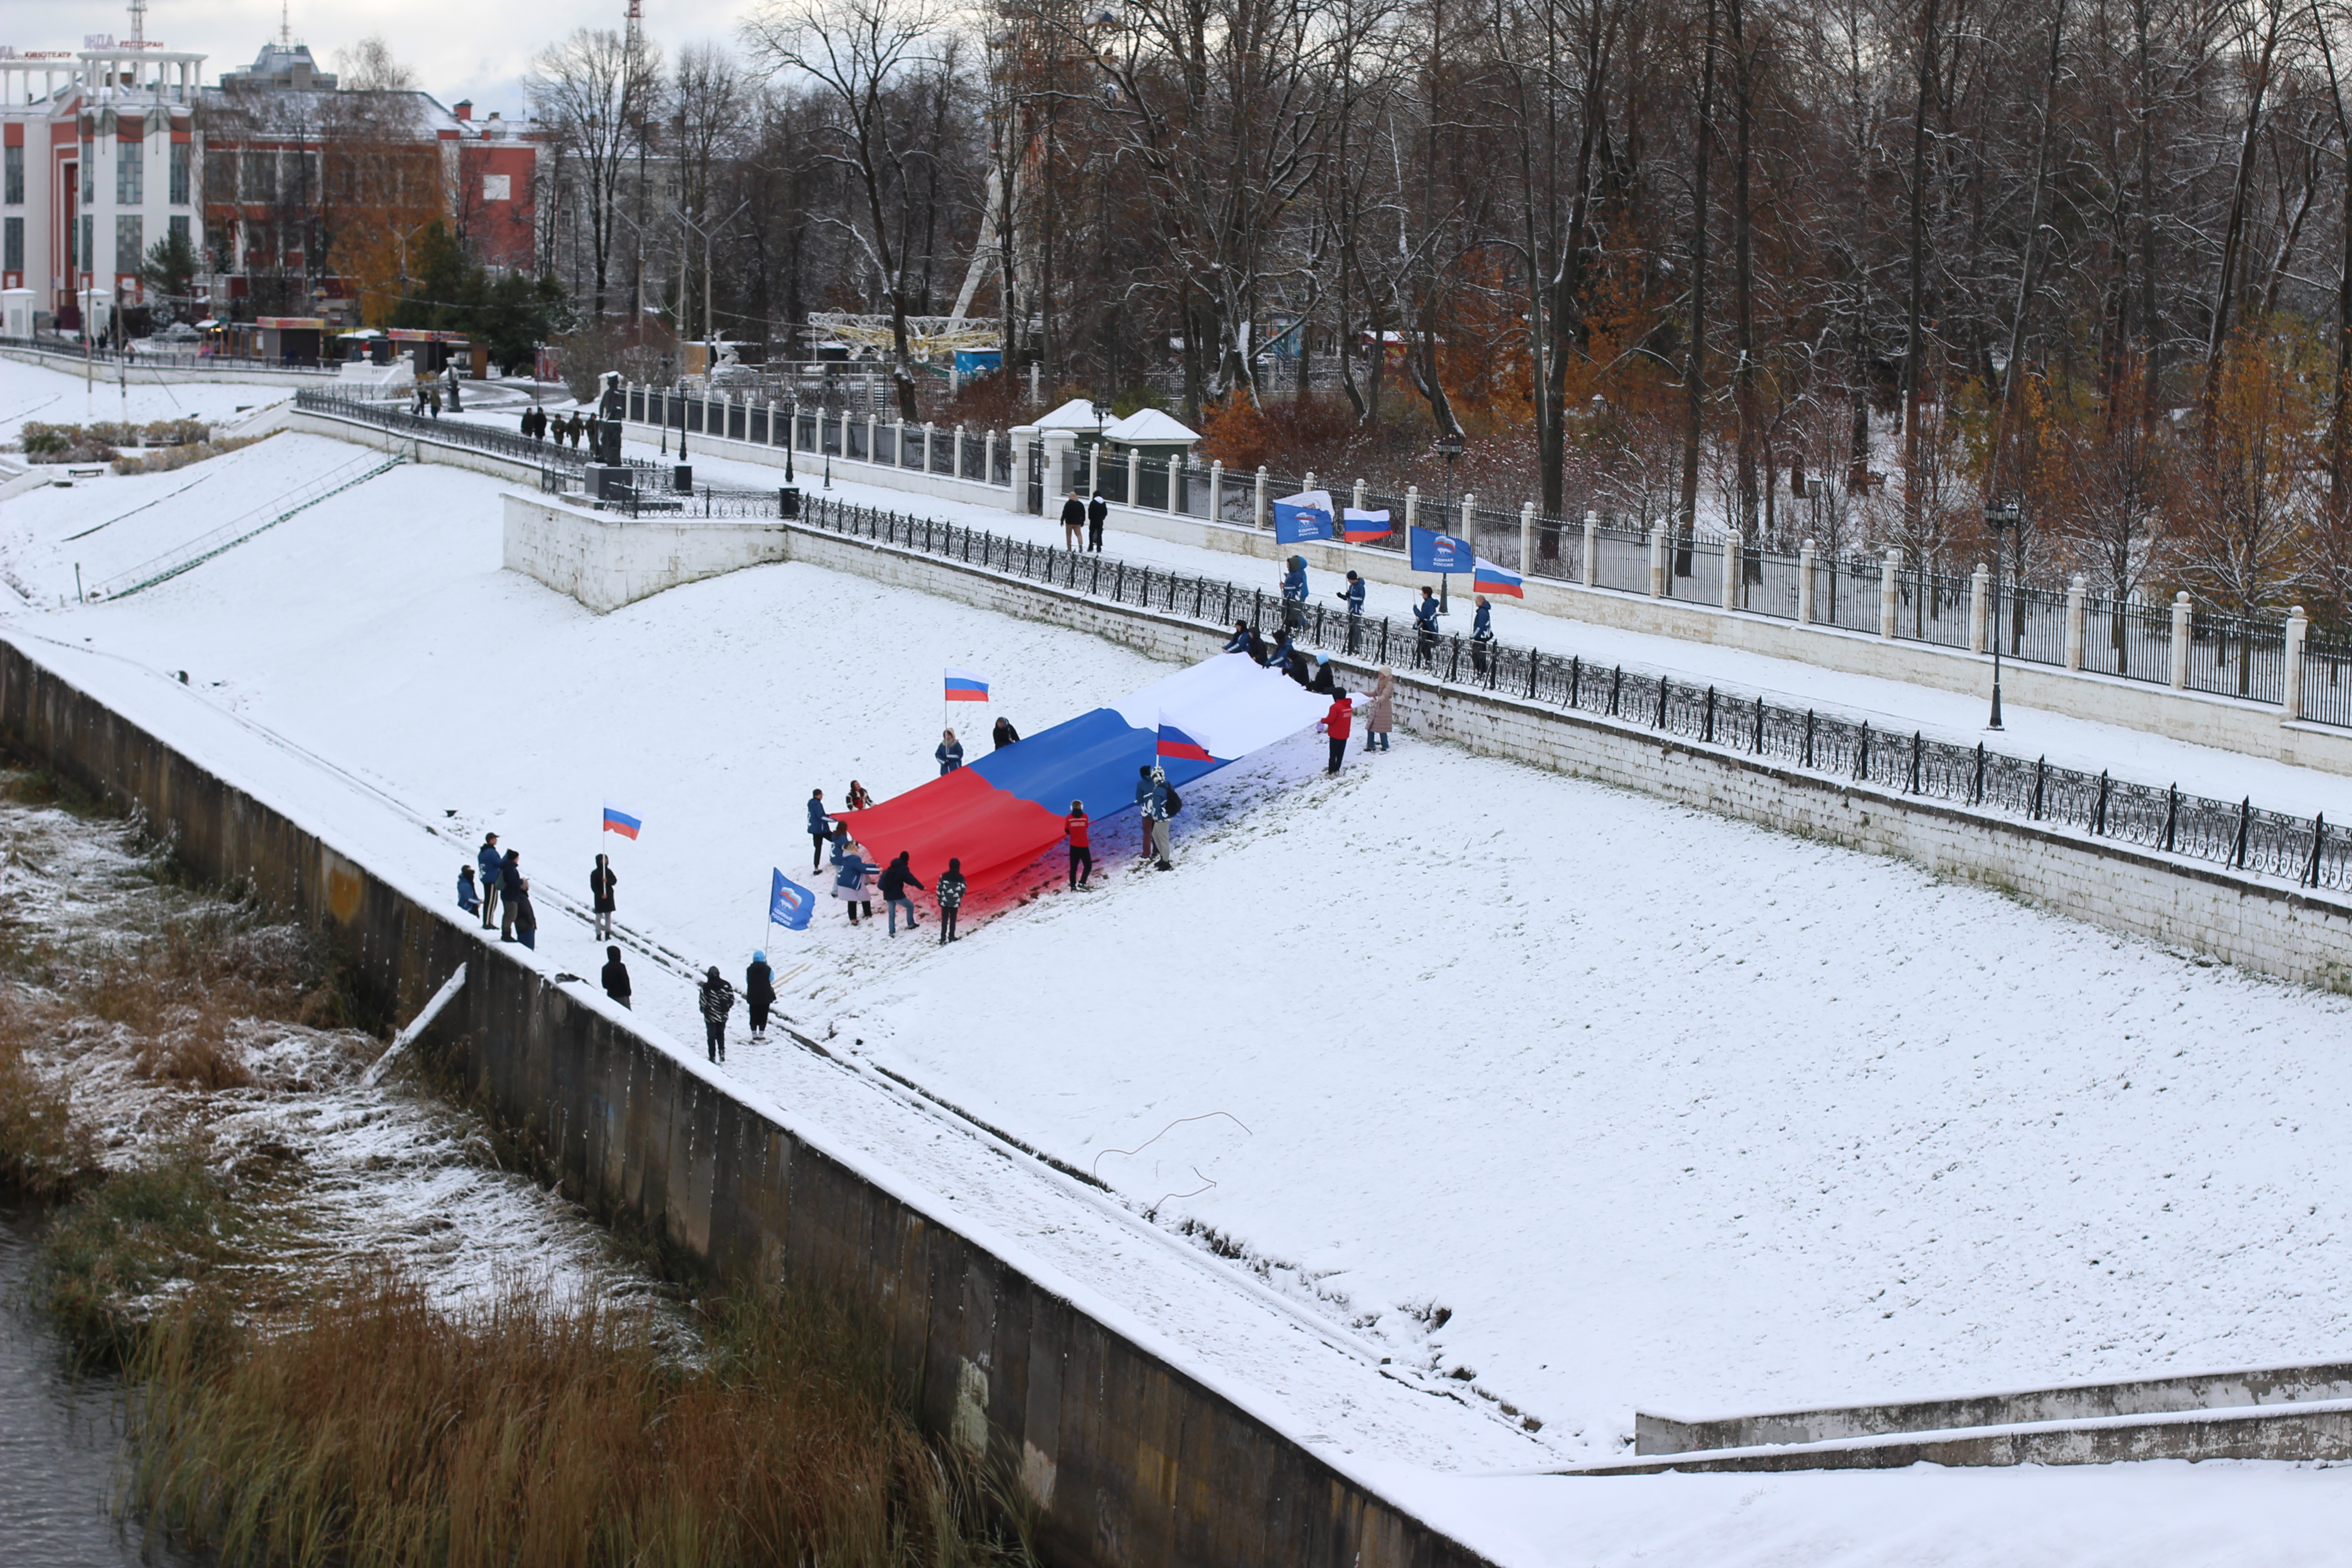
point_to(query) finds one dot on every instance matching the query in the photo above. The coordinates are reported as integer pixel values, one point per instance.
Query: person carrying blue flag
(759, 995)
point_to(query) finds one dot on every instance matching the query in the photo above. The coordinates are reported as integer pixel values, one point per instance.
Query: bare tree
(595, 88)
(858, 53)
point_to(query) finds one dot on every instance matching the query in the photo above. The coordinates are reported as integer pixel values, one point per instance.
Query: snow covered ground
(1570, 1099)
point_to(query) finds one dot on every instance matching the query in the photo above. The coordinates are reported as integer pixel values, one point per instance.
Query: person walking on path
(820, 827)
(1382, 717)
(1074, 522)
(1097, 511)
(486, 858)
(759, 995)
(528, 423)
(950, 897)
(1294, 594)
(1353, 597)
(1082, 855)
(1482, 634)
(897, 878)
(717, 1000)
(1005, 734)
(601, 883)
(850, 884)
(526, 918)
(1339, 723)
(433, 398)
(857, 799)
(1424, 618)
(949, 753)
(615, 976)
(509, 889)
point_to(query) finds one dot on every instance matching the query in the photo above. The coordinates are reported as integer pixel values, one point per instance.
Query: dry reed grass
(372, 1430)
(45, 1150)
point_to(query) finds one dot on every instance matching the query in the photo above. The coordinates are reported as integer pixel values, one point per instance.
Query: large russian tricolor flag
(1488, 578)
(1004, 809)
(964, 686)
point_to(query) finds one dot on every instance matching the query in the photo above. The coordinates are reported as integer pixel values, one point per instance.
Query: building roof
(1150, 427)
(1077, 414)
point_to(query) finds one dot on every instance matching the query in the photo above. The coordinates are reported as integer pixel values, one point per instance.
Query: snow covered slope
(1581, 1098)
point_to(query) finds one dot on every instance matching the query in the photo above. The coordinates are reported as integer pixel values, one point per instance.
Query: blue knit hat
(759, 958)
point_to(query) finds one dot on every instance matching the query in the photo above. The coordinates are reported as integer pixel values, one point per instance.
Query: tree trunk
(1694, 360)
(1913, 311)
(1743, 383)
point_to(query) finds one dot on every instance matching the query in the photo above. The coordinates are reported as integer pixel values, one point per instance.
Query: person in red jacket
(1082, 856)
(1338, 723)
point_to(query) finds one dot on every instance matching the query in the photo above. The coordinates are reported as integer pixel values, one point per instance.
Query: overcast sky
(460, 48)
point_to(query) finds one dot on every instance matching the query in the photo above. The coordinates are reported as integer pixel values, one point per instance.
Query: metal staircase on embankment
(260, 520)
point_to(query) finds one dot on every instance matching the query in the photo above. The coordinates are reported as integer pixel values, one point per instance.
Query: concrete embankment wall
(2298, 935)
(105, 372)
(1133, 1462)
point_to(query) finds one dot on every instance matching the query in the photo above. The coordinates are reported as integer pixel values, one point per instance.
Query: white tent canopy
(1077, 414)
(1150, 427)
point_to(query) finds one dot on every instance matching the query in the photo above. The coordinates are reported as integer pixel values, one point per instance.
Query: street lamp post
(2000, 516)
(1449, 446)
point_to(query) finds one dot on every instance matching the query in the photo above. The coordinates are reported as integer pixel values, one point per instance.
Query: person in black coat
(1074, 522)
(1096, 510)
(950, 897)
(717, 1000)
(897, 878)
(759, 995)
(1005, 734)
(601, 883)
(615, 976)
(509, 889)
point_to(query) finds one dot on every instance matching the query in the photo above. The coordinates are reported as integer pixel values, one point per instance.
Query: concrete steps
(2299, 1412)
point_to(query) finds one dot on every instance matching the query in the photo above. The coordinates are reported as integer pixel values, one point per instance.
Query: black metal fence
(2228, 656)
(2307, 851)
(556, 463)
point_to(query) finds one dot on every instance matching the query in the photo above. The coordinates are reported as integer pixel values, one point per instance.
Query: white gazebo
(1153, 434)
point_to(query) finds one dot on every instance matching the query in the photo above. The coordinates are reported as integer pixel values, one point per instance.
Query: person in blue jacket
(1239, 641)
(1353, 596)
(1424, 616)
(486, 858)
(465, 898)
(949, 753)
(1294, 591)
(820, 827)
(1482, 632)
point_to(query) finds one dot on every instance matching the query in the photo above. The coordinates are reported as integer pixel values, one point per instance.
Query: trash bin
(682, 478)
(788, 501)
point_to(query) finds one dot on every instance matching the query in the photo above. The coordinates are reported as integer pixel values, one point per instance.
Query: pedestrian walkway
(1894, 705)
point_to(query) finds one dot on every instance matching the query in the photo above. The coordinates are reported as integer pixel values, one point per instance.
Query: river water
(57, 1434)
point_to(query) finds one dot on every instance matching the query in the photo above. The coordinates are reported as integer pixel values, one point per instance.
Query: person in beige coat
(1383, 712)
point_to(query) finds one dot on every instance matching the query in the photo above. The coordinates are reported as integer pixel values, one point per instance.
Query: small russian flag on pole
(1488, 578)
(964, 686)
(620, 822)
(1174, 742)
(1360, 526)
